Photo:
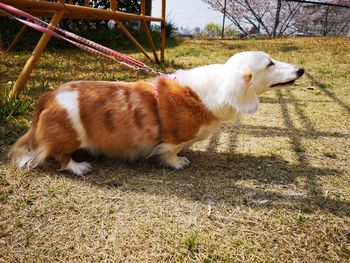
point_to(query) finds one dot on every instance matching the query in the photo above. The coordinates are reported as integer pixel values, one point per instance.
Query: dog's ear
(247, 77)
(244, 98)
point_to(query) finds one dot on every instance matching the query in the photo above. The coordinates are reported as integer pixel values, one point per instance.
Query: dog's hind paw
(78, 168)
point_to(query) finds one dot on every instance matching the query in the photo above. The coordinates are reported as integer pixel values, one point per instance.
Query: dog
(140, 119)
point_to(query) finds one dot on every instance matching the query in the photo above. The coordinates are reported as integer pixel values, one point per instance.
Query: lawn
(274, 188)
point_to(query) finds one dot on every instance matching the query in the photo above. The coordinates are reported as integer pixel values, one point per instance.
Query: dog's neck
(206, 81)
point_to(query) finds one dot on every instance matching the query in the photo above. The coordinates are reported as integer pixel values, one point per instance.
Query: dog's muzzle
(299, 73)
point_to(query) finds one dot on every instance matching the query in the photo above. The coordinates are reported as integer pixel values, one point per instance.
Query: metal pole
(223, 21)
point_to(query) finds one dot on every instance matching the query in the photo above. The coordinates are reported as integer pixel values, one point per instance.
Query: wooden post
(17, 38)
(143, 7)
(133, 40)
(113, 5)
(162, 43)
(22, 78)
(150, 40)
(148, 10)
(147, 31)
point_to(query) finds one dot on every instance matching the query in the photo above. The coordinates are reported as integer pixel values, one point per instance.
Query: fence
(232, 19)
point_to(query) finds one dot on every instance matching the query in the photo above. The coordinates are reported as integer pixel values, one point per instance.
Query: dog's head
(267, 73)
(237, 90)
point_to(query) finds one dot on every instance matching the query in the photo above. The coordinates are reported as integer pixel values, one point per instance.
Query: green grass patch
(14, 115)
(191, 242)
(331, 155)
(10, 107)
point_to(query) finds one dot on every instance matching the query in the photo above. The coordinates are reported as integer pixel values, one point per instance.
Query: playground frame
(58, 10)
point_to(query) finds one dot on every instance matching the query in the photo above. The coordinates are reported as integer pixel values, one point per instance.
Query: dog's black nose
(300, 72)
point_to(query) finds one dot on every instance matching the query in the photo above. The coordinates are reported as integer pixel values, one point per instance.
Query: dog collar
(156, 87)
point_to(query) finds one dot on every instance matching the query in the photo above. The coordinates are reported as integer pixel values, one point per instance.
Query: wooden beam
(143, 7)
(133, 40)
(162, 32)
(73, 11)
(18, 37)
(147, 31)
(113, 5)
(107, 14)
(32, 61)
(150, 41)
(27, 4)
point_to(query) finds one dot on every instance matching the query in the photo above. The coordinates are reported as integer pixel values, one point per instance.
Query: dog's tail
(25, 153)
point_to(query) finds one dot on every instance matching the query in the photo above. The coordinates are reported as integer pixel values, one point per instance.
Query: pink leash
(88, 45)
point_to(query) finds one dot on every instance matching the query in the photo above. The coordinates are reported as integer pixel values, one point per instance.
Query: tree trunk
(277, 18)
(325, 25)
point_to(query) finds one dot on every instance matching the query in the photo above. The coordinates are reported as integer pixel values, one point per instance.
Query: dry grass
(276, 188)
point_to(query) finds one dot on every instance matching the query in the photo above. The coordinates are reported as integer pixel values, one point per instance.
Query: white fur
(26, 161)
(263, 77)
(223, 89)
(78, 168)
(68, 99)
(168, 153)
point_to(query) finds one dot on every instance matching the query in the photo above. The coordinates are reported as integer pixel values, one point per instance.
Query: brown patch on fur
(127, 98)
(128, 111)
(138, 116)
(108, 121)
(247, 77)
(181, 112)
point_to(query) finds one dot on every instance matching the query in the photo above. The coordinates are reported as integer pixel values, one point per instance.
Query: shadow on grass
(224, 175)
(287, 47)
(329, 93)
(221, 176)
(230, 46)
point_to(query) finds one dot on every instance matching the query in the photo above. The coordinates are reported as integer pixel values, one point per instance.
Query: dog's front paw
(177, 162)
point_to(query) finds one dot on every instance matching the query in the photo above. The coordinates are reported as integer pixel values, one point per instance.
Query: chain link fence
(217, 19)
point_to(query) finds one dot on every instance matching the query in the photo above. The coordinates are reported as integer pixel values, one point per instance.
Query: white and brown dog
(140, 119)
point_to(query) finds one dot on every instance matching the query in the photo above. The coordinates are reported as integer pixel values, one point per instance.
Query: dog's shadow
(234, 179)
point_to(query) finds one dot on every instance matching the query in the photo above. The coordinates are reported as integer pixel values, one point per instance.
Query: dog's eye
(270, 64)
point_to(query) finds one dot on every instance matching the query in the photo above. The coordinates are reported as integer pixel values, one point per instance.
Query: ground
(274, 188)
